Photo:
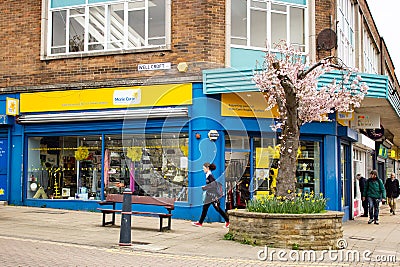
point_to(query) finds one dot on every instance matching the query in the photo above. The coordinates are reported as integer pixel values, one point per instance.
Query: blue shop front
(154, 140)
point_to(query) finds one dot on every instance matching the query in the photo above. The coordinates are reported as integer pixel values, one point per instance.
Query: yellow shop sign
(105, 98)
(249, 104)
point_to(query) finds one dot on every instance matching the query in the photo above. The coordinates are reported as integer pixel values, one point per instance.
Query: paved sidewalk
(79, 228)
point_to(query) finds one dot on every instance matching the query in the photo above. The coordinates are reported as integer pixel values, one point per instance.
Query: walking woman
(211, 196)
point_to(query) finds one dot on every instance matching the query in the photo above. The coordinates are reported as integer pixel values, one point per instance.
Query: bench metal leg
(112, 222)
(161, 224)
(169, 223)
(104, 219)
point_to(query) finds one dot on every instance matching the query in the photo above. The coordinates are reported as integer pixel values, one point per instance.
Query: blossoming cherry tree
(292, 86)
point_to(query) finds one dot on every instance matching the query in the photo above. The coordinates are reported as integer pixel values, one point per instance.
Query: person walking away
(361, 182)
(392, 192)
(211, 197)
(375, 192)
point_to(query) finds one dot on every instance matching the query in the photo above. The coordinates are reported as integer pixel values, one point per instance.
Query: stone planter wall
(307, 231)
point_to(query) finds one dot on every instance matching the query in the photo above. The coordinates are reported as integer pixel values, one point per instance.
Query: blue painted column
(332, 189)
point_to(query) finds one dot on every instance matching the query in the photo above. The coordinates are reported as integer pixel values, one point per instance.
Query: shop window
(308, 168)
(70, 167)
(64, 167)
(151, 164)
(267, 156)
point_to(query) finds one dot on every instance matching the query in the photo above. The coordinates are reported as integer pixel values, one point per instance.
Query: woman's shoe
(197, 224)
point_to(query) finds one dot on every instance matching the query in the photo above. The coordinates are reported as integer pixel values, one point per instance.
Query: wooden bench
(113, 199)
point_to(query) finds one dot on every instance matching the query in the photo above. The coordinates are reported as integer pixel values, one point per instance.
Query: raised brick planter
(303, 231)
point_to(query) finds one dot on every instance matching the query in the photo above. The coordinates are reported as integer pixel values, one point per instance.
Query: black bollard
(125, 230)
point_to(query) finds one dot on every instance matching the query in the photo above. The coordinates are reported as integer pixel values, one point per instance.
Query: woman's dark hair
(211, 166)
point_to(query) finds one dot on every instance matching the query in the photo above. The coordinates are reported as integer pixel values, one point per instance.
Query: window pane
(237, 142)
(64, 167)
(116, 26)
(278, 28)
(278, 7)
(308, 168)
(76, 33)
(152, 164)
(258, 28)
(156, 18)
(136, 25)
(239, 22)
(59, 30)
(258, 4)
(297, 26)
(96, 28)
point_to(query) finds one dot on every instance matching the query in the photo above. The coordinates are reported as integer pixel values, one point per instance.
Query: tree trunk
(286, 179)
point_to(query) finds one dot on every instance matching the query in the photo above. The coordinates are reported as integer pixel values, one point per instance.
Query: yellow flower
(279, 197)
(299, 194)
(289, 191)
(320, 194)
(307, 199)
(313, 201)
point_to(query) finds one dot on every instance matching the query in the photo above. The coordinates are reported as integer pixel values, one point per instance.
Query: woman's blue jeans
(373, 208)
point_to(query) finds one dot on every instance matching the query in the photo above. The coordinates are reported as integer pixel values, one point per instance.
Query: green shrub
(301, 203)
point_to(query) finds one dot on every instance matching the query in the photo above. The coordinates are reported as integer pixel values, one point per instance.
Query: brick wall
(198, 36)
(306, 231)
(325, 18)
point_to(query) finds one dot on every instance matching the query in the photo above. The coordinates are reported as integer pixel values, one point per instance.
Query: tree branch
(303, 74)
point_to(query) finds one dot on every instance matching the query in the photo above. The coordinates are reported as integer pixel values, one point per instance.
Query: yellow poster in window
(12, 106)
(262, 157)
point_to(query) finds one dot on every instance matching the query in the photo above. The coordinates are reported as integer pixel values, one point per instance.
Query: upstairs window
(370, 55)
(345, 32)
(261, 23)
(93, 26)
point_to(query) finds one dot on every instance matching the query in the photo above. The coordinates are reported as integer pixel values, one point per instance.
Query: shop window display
(70, 167)
(155, 165)
(65, 167)
(266, 160)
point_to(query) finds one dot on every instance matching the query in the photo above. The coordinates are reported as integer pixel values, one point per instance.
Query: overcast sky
(386, 15)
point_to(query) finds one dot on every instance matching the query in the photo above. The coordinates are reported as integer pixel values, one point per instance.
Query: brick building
(99, 95)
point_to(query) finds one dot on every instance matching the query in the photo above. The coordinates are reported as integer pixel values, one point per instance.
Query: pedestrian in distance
(392, 192)
(210, 196)
(375, 192)
(361, 182)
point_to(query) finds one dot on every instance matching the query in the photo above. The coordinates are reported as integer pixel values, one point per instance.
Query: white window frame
(46, 44)
(370, 54)
(346, 32)
(269, 11)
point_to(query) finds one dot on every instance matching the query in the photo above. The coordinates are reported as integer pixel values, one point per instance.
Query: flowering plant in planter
(301, 203)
